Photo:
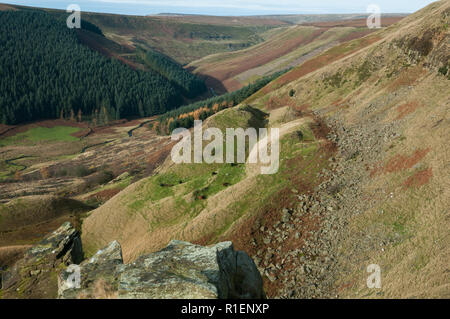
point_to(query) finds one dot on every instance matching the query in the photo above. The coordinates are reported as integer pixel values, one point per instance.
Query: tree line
(184, 116)
(190, 85)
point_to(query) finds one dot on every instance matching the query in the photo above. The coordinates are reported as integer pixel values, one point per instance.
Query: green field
(37, 134)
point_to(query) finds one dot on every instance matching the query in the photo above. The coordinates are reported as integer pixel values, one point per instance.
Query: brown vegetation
(407, 77)
(318, 62)
(406, 109)
(225, 70)
(102, 290)
(419, 178)
(105, 195)
(385, 22)
(401, 162)
(10, 254)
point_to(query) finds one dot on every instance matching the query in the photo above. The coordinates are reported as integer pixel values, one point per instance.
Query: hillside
(362, 179)
(288, 47)
(330, 18)
(182, 38)
(71, 79)
(75, 81)
(187, 38)
(388, 105)
(190, 85)
(363, 170)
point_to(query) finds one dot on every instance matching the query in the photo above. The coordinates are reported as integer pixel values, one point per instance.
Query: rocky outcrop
(34, 276)
(54, 268)
(98, 276)
(181, 270)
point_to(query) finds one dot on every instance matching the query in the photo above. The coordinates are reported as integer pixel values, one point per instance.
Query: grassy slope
(156, 207)
(17, 148)
(25, 221)
(57, 133)
(368, 84)
(287, 48)
(388, 87)
(196, 202)
(376, 84)
(329, 18)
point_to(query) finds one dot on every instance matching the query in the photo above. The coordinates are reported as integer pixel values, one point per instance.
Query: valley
(363, 171)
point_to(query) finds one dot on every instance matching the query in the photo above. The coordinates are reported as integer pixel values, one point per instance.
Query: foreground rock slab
(181, 270)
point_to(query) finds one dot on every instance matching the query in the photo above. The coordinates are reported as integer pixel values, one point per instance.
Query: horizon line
(168, 14)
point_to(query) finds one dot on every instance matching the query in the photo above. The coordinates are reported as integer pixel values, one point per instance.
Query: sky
(230, 7)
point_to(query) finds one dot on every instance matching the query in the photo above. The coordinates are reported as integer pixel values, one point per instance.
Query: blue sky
(230, 7)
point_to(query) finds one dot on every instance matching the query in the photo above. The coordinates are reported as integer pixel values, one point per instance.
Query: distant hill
(184, 38)
(285, 47)
(315, 18)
